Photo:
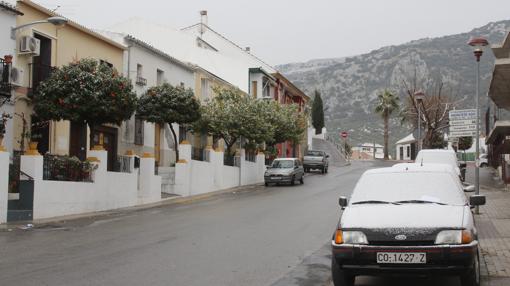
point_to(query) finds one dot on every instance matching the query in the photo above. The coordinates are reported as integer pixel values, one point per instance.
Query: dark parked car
(413, 220)
(284, 170)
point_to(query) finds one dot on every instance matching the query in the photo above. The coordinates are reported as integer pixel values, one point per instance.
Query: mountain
(349, 86)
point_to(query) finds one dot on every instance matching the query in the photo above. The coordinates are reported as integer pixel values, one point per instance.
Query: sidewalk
(493, 224)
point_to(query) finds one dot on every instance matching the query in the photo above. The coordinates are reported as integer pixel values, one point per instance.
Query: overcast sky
(283, 31)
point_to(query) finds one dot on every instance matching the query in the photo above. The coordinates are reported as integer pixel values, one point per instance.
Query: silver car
(284, 170)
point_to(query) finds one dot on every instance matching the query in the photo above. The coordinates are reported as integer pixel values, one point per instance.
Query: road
(260, 237)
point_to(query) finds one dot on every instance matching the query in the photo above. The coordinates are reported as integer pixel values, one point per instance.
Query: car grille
(402, 243)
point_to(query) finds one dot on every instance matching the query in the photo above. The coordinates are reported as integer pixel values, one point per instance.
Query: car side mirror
(469, 188)
(477, 200)
(342, 201)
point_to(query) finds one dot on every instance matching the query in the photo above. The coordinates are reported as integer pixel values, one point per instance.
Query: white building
(406, 148)
(8, 14)
(373, 150)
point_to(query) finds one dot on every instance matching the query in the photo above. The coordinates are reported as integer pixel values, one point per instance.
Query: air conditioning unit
(30, 45)
(16, 76)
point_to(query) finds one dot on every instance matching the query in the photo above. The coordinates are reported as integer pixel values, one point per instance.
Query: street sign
(462, 133)
(470, 127)
(344, 134)
(462, 122)
(464, 114)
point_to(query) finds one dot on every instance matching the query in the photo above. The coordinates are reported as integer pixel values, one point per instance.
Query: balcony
(38, 73)
(5, 86)
(141, 81)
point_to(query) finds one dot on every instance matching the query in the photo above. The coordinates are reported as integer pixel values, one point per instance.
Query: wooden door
(107, 137)
(157, 142)
(78, 140)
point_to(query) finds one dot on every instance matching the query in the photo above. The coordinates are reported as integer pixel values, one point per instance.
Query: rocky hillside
(350, 85)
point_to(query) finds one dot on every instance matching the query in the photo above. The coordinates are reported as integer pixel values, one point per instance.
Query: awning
(499, 132)
(499, 90)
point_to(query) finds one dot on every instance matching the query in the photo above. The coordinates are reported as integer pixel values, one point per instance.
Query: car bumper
(314, 165)
(441, 259)
(283, 179)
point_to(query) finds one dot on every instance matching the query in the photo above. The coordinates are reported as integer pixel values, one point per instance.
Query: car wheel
(326, 170)
(293, 180)
(483, 165)
(266, 184)
(302, 180)
(323, 170)
(340, 278)
(472, 276)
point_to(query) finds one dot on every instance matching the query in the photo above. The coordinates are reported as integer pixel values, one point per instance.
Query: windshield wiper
(419, 202)
(374, 202)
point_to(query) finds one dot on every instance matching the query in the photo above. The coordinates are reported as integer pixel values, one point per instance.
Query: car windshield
(441, 158)
(282, 164)
(408, 188)
(314, 153)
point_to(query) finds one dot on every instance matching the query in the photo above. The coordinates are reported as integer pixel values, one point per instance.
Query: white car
(439, 156)
(407, 220)
(484, 160)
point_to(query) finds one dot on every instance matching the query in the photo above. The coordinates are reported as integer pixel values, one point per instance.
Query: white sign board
(464, 114)
(462, 122)
(462, 133)
(463, 128)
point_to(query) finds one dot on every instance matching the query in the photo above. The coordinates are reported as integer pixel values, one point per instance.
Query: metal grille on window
(138, 131)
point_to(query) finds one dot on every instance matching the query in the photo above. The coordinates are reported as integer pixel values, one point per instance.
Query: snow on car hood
(279, 171)
(403, 216)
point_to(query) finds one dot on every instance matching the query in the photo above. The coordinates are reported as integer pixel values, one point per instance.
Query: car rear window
(402, 186)
(314, 153)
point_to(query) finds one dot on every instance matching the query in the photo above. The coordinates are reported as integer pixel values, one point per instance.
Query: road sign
(462, 122)
(462, 133)
(464, 114)
(471, 127)
(344, 134)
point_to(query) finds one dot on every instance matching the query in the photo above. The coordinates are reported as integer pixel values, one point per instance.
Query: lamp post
(477, 43)
(419, 96)
(56, 20)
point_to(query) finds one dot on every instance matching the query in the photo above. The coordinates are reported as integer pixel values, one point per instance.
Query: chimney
(247, 49)
(203, 21)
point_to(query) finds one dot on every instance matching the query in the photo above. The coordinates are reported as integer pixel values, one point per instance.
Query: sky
(285, 31)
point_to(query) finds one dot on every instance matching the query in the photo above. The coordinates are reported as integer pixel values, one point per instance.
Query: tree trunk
(386, 135)
(176, 144)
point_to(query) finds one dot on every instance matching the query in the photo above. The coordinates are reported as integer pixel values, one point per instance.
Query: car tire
(327, 170)
(340, 277)
(472, 276)
(323, 170)
(483, 165)
(266, 184)
(293, 181)
(302, 180)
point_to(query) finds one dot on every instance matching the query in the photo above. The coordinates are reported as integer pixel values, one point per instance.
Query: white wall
(4, 185)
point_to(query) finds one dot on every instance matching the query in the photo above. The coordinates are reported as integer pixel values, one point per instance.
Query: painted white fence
(4, 185)
(109, 190)
(196, 177)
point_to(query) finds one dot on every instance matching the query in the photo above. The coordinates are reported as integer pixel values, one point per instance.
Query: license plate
(402, 257)
(276, 178)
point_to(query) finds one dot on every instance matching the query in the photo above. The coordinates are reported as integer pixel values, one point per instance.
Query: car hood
(279, 171)
(403, 216)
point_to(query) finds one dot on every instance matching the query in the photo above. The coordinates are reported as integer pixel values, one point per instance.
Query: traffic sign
(463, 114)
(470, 127)
(462, 122)
(462, 133)
(344, 134)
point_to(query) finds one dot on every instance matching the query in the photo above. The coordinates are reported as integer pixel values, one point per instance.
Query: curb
(163, 203)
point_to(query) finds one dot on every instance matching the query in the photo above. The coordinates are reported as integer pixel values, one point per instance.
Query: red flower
(60, 101)
(113, 94)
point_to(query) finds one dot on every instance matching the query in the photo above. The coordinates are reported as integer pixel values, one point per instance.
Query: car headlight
(454, 237)
(350, 237)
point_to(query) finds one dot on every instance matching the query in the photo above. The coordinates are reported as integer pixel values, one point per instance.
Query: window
(181, 84)
(401, 153)
(138, 131)
(266, 88)
(204, 86)
(160, 77)
(139, 76)
(139, 70)
(254, 88)
(408, 151)
(103, 62)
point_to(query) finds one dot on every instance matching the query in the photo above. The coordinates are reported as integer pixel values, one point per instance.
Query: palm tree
(387, 104)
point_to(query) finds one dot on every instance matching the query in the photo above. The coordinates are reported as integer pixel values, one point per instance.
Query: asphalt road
(268, 236)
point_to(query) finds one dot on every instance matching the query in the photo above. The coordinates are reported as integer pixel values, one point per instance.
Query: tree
(387, 104)
(317, 113)
(85, 92)
(464, 144)
(288, 121)
(168, 104)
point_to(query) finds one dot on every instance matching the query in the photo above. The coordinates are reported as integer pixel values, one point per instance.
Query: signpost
(344, 134)
(462, 123)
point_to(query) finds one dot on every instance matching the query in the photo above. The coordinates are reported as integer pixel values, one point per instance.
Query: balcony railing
(141, 81)
(250, 156)
(123, 164)
(38, 73)
(64, 168)
(5, 85)
(200, 154)
(230, 160)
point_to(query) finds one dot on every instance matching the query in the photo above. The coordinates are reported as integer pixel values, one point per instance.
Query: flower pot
(32, 145)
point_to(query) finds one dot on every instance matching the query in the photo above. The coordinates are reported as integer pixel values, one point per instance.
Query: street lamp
(419, 96)
(477, 43)
(56, 20)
